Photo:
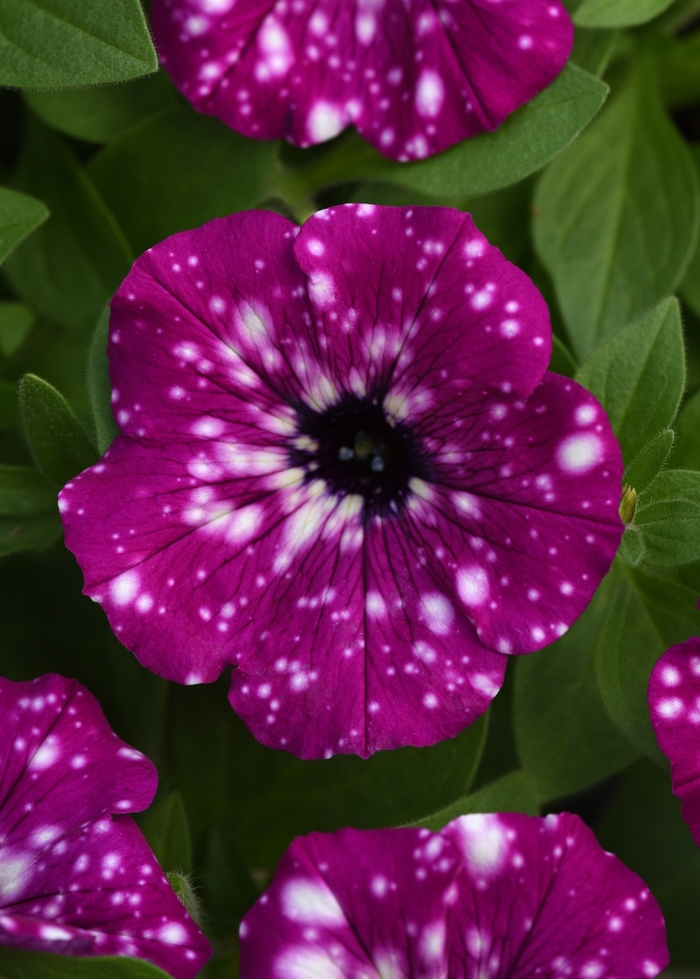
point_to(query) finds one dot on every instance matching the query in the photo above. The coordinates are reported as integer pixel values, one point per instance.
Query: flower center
(356, 449)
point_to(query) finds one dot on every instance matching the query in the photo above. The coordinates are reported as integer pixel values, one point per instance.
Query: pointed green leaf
(649, 461)
(74, 263)
(528, 139)
(68, 43)
(58, 444)
(616, 215)
(15, 963)
(643, 616)
(618, 13)
(638, 375)
(165, 827)
(679, 484)
(565, 740)
(514, 792)
(100, 387)
(19, 216)
(671, 530)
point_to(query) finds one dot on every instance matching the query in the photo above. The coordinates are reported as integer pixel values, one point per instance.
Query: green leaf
(101, 114)
(19, 216)
(561, 361)
(16, 322)
(616, 215)
(528, 139)
(679, 484)
(687, 451)
(100, 387)
(179, 169)
(643, 826)
(593, 50)
(73, 264)
(58, 444)
(68, 43)
(165, 827)
(24, 491)
(632, 546)
(565, 740)
(690, 286)
(618, 13)
(638, 375)
(671, 530)
(15, 963)
(649, 461)
(678, 66)
(511, 793)
(32, 533)
(643, 616)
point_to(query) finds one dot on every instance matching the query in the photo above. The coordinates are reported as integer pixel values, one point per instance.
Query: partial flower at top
(674, 706)
(499, 896)
(343, 470)
(413, 77)
(73, 878)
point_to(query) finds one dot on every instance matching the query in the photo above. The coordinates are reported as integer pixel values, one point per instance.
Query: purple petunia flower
(502, 895)
(674, 706)
(343, 470)
(413, 77)
(73, 878)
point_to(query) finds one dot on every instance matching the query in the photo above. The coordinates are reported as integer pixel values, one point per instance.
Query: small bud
(182, 885)
(628, 504)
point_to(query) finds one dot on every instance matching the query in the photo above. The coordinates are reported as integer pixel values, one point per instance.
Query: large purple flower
(489, 896)
(73, 878)
(343, 470)
(674, 705)
(414, 76)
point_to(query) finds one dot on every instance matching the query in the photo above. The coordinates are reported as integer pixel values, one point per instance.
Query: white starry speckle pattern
(413, 76)
(674, 708)
(502, 895)
(211, 538)
(75, 879)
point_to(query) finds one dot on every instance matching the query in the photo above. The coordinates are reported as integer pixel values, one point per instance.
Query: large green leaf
(643, 616)
(102, 113)
(18, 964)
(514, 792)
(67, 43)
(649, 462)
(671, 531)
(638, 375)
(616, 215)
(179, 169)
(99, 386)
(642, 825)
(72, 265)
(19, 216)
(618, 13)
(528, 139)
(56, 440)
(565, 740)
(264, 798)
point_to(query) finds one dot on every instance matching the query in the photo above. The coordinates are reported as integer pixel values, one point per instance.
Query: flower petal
(503, 895)
(413, 79)
(674, 706)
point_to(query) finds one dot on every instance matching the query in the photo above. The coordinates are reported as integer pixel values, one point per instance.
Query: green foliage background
(592, 189)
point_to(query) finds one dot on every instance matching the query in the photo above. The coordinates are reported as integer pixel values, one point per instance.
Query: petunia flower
(413, 77)
(674, 706)
(501, 895)
(344, 471)
(75, 879)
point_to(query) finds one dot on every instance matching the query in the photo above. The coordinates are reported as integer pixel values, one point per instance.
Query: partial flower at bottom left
(77, 877)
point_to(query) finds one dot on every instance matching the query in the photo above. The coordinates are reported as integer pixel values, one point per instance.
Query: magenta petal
(501, 895)
(345, 471)
(73, 879)
(412, 79)
(674, 706)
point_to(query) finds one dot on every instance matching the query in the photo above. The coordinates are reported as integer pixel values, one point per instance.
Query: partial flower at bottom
(75, 879)
(343, 470)
(502, 896)
(674, 706)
